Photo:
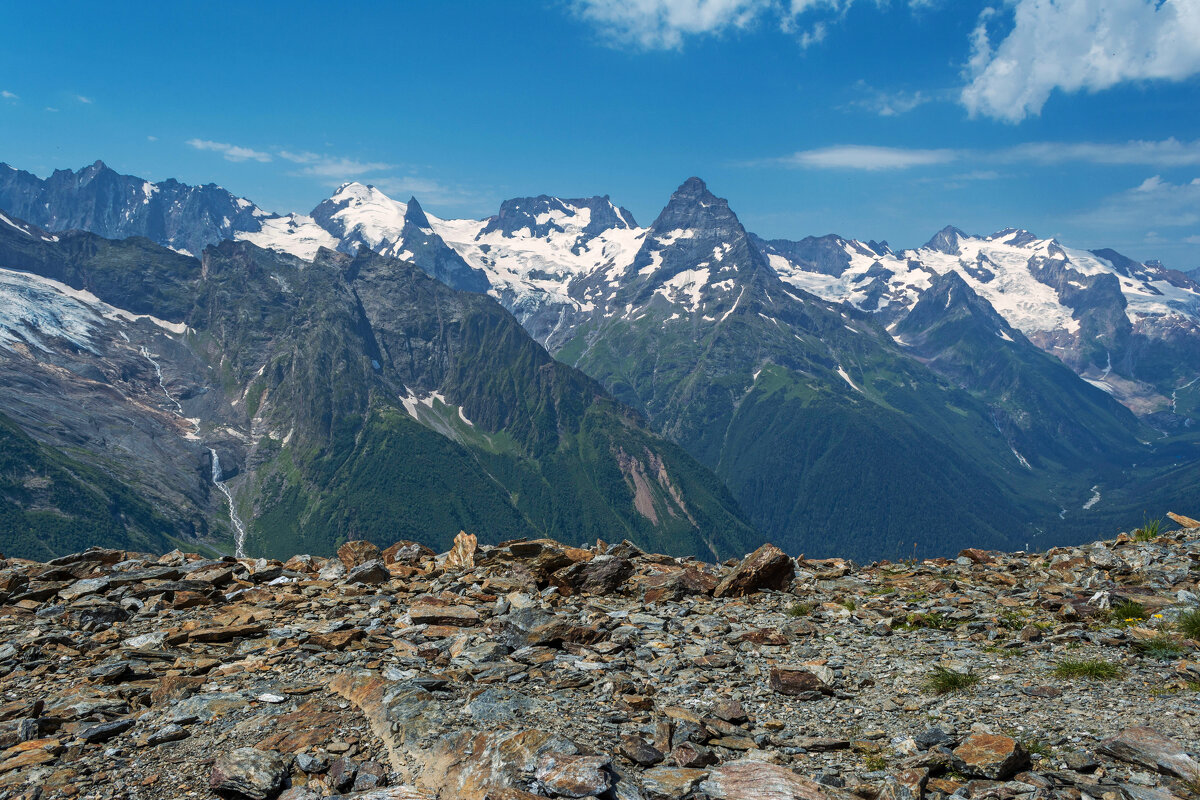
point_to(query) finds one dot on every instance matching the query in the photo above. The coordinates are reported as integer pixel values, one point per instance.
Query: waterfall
(239, 530)
(146, 354)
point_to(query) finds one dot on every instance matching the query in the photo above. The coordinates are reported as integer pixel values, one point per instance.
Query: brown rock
(978, 556)
(227, 633)
(768, 567)
(637, 750)
(462, 554)
(430, 614)
(671, 783)
(574, 776)
(175, 687)
(1149, 748)
(1184, 522)
(406, 553)
(358, 552)
(990, 756)
(31, 753)
(730, 711)
(338, 640)
(690, 754)
(799, 681)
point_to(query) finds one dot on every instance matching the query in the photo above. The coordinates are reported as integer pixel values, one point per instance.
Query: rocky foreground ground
(535, 669)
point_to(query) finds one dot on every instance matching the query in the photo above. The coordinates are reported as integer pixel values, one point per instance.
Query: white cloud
(1163, 153)
(330, 167)
(663, 24)
(1152, 202)
(1076, 45)
(867, 157)
(891, 104)
(231, 152)
(7, 95)
(1192, 240)
(85, 100)
(151, 138)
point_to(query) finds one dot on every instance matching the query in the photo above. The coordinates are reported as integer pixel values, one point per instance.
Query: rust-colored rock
(768, 567)
(991, 756)
(1184, 522)
(358, 552)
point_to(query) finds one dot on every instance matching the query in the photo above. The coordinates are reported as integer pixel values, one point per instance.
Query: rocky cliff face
(99, 200)
(346, 396)
(534, 669)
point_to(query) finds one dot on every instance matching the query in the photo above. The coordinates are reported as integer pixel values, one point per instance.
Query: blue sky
(883, 119)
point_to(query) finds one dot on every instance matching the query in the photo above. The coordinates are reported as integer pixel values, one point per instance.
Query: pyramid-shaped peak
(415, 214)
(694, 206)
(946, 240)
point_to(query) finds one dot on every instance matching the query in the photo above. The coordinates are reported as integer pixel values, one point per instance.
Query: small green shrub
(1189, 624)
(932, 621)
(800, 609)
(944, 681)
(1087, 668)
(1161, 647)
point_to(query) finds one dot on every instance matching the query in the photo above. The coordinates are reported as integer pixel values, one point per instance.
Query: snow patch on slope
(296, 234)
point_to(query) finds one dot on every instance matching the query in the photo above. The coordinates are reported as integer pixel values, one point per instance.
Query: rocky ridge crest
(535, 669)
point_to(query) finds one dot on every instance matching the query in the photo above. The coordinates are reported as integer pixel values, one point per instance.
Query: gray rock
(250, 773)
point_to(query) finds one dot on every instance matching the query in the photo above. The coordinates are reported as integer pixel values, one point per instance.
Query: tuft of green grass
(1150, 529)
(1161, 647)
(1189, 624)
(849, 604)
(800, 609)
(1127, 612)
(933, 621)
(875, 762)
(944, 681)
(1087, 668)
(1036, 747)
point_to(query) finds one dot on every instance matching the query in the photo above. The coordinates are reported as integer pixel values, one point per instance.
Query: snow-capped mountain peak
(361, 215)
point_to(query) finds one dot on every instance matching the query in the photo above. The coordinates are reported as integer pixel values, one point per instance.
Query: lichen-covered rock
(574, 776)
(248, 773)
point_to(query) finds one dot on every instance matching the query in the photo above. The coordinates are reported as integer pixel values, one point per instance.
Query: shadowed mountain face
(347, 397)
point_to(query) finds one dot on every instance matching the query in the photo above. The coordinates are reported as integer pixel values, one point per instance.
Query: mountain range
(708, 388)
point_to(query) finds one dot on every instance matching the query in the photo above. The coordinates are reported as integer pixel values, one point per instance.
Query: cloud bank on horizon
(1020, 51)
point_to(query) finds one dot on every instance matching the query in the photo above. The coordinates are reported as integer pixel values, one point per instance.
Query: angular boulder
(754, 780)
(1148, 748)
(574, 776)
(357, 552)
(768, 567)
(991, 756)
(801, 681)
(247, 772)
